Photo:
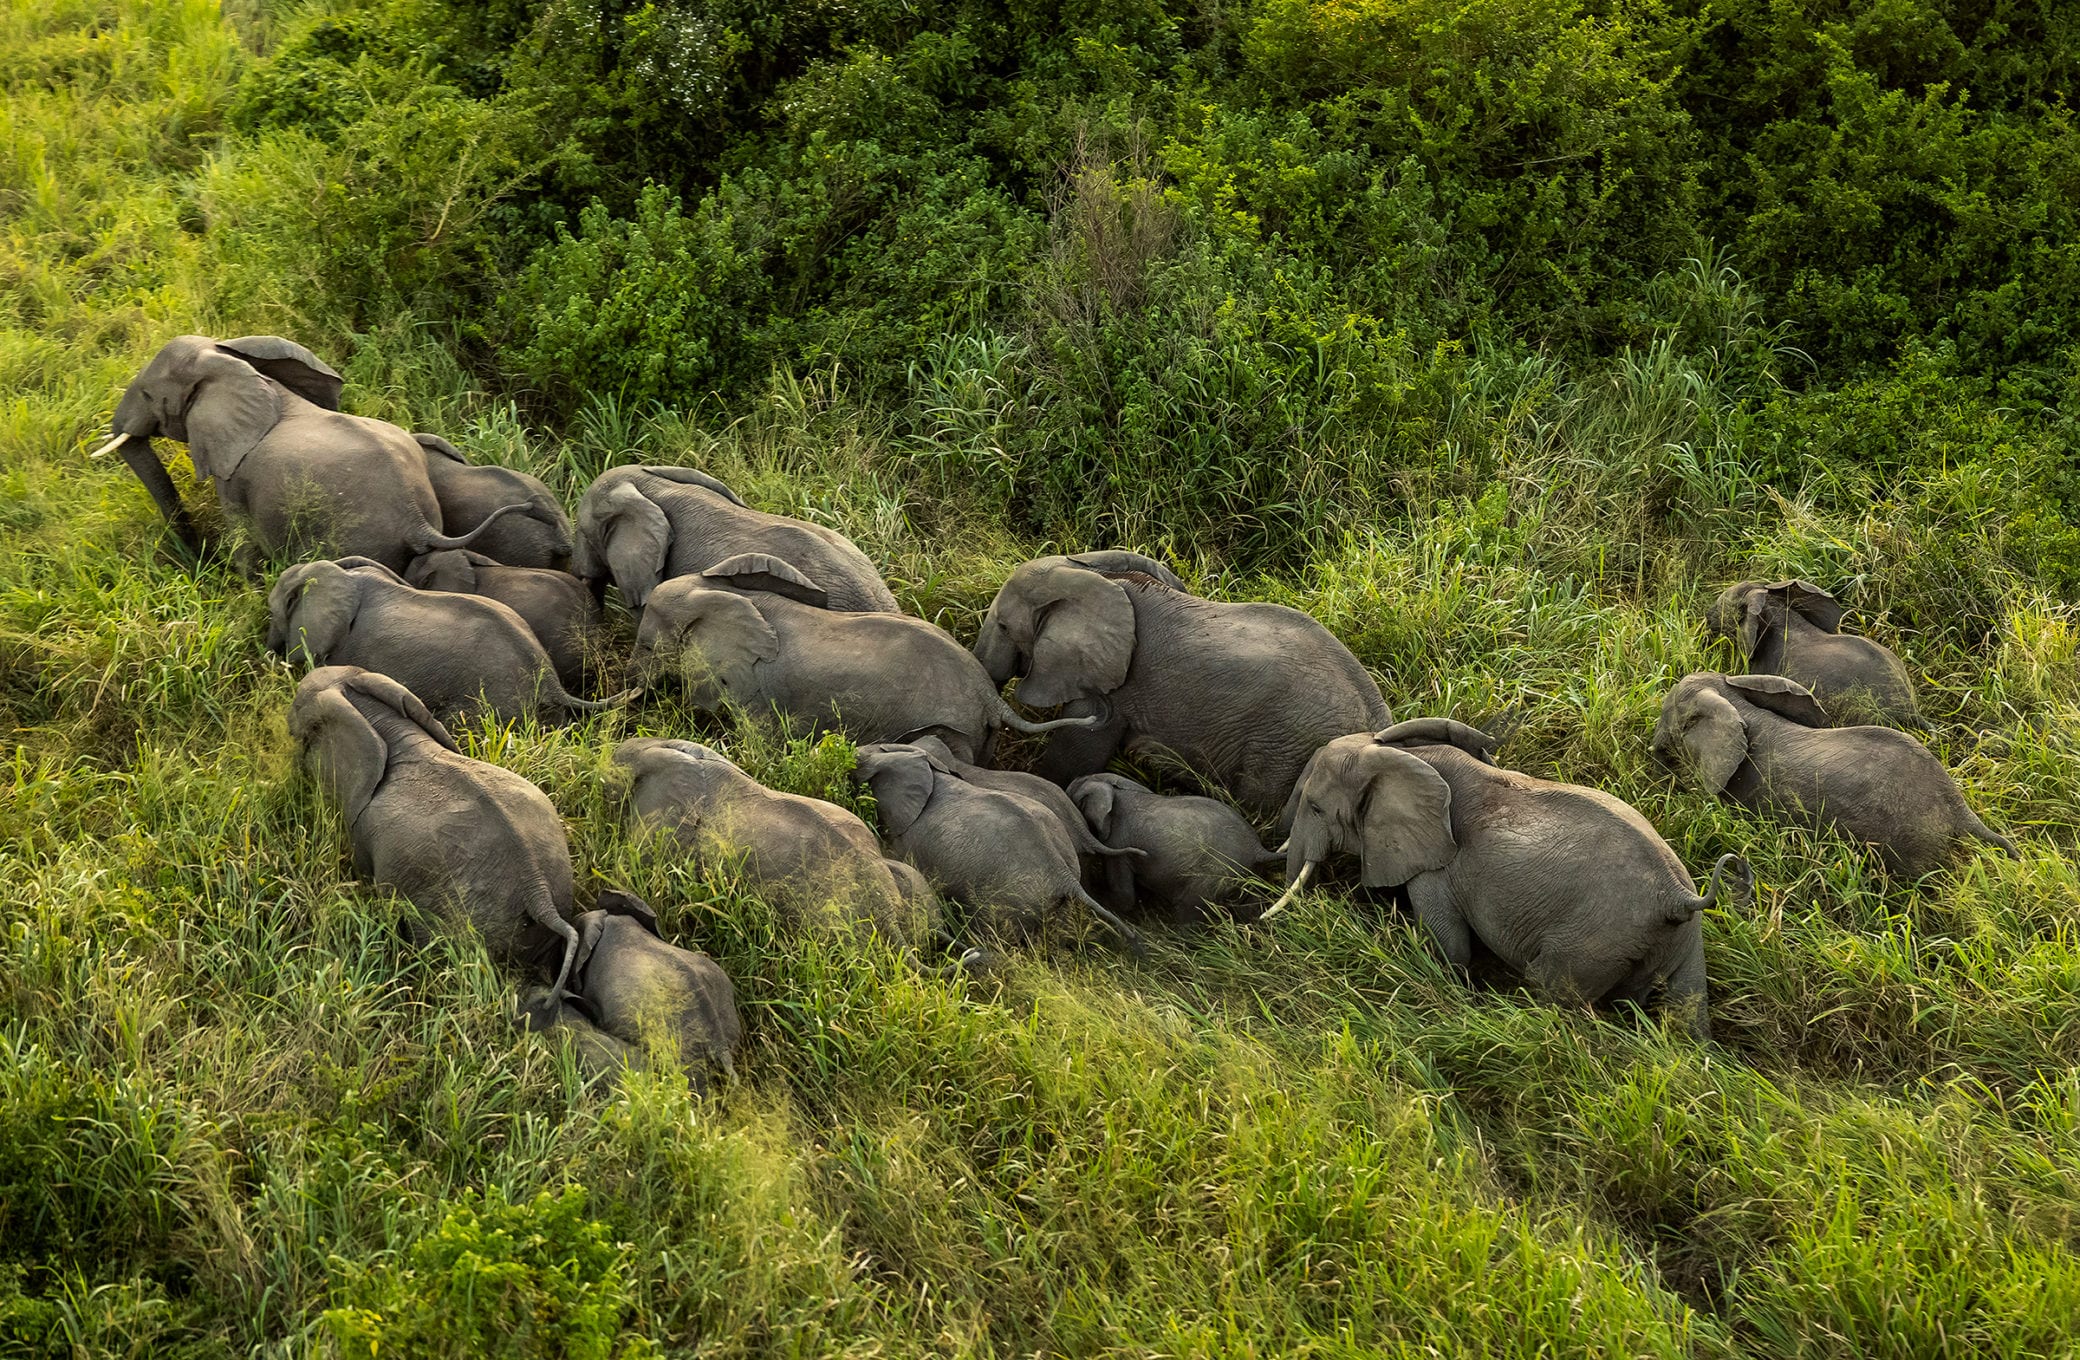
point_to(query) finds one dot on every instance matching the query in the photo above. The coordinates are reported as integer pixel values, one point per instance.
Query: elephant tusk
(111, 446)
(1284, 846)
(1299, 882)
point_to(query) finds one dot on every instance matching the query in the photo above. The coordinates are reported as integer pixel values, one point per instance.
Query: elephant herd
(428, 590)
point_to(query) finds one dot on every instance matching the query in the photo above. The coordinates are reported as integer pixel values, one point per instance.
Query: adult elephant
(1241, 695)
(642, 525)
(260, 416)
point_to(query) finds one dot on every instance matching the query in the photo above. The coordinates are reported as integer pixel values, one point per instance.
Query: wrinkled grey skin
(601, 1057)
(463, 655)
(1764, 742)
(260, 416)
(640, 526)
(874, 677)
(809, 857)
(469, 843)
(1119, 561)
(1030, 786)
(1566, 884)
(557, 607)
(1792, 629)
(1007, 858)
(1238, 694)
(655, 995)
(470, 493)
(1197, 858)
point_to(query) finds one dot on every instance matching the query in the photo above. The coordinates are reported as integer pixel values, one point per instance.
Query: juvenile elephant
(1196, 853)
(1028, 786)
(1792, 629)
(806, 855)
(655, 995)
(601, 1057)
(752, 630)
(1764, 742)
(1239, 694)
(469, 843)
(1568, 885)
(556, 606)
(261, 418)
(1008, 858)
(643, 525)
(461, 654)
(471, 493)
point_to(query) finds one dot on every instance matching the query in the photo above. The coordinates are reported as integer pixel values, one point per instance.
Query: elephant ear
(763, 571)
(436, 447)
(719, 629)
(901, 779)
(392, 694)
(1094, 796)
(638, 537)
(1404, 817)
(312, 608)
(371, 565)
(686, 476)
(230, 410)
(351, 756)
(291, 365)
(1785, 698)
(1809, 601)
(1441, 732)
(1119, 560)
(1710, 733)
(1083, 636)
(619, 902)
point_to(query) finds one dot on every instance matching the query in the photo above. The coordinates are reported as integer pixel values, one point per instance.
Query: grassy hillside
(1495, 333)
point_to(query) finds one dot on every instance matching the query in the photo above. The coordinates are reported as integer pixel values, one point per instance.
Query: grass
(239, 1115)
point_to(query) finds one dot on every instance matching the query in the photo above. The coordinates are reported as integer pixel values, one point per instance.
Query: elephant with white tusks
(651, 994)
(463, 655)
(1194, 856)
(471, 493)
(754, 631)
(1568, 885)
(555, 605)
(1240, 695)
(640, 526)
(260, 416)
(1008, 858)
(1765, 742)
(1793, 629)
(475, 846)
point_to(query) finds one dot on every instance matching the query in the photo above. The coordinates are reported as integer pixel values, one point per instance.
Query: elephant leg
(1073, 752)
(158, 483)
(1684, 992)
(1431, 896)
(1118, 891)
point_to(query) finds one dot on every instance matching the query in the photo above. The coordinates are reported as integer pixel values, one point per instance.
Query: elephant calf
(1196, 853)
(1792, 629)
(655, 995)
(754, 631)
(1032, 788)
(470, 493)
(556, 606)
(1566, 884)
(461, 654)
(1764, 742)
(1004, 856)
(470, 843)
(601, 1057)
(808, 856)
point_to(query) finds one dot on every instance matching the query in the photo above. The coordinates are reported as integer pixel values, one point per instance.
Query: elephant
(469, 843)
(1792, 629)
(1568, 885)
(752, 630)
(1005, 857)
(654, 995)
(555, 605)
(464, 655)
(1029, 786)
(260, 416)
(1241, 695)
(601, 1056)
(643, 525)
(809, 857)
(1195, 852)
(1764, 742)
(470, 493)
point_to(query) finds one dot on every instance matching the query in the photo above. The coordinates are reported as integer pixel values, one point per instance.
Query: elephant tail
(1681, 914)
(1009, 716)
(429, 541)
(1128, 936)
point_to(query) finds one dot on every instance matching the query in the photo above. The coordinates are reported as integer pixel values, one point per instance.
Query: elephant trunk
(997, 652)
(1010, 718)
(1299, 882)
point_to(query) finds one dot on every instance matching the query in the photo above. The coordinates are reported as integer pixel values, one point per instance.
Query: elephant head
(1067, 629)
(716, 636)
(624, 535)
(313, 604)
(336, 720)
(1749, 611)
(1701, 727)
(453, 570)
(901, 778)
(217, 398)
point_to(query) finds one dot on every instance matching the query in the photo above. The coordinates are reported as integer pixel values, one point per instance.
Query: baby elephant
(1568, 885)
(654, 995)
(755, 631)
(470, 492)
(461, 654)
(1196, 853)
(1762, 741)
(470, 843)
(601, 1057)
(804, 854)
(556, 606)
(1791, 628)
(1032, 787)
(1005, 856)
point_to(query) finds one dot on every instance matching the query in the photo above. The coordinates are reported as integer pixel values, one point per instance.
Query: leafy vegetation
(1495, 333)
